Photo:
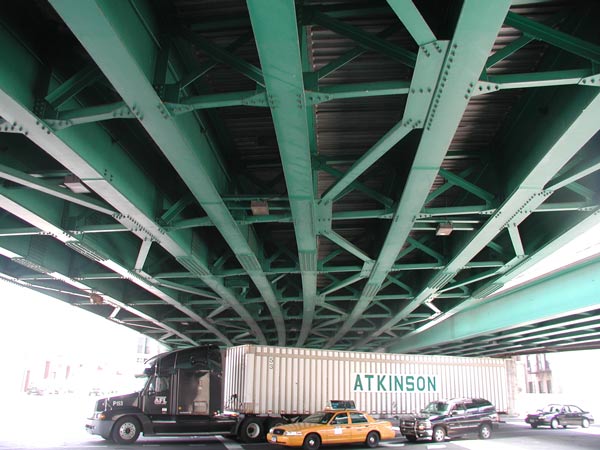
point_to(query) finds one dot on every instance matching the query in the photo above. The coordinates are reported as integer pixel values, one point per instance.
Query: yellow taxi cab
(332, 427)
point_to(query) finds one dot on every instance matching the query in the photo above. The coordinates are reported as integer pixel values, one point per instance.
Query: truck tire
(252, 430)
(411, 438)
(439, 434)
(372, 439)
(485, 431)
(312, 442)
(126, 430)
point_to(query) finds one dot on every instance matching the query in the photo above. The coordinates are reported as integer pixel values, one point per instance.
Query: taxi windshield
(436, 408)
(319, 418)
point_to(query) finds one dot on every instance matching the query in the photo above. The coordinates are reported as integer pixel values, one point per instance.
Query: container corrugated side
(285, 380)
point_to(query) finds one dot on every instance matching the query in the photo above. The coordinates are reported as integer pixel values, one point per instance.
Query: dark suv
(451, 418)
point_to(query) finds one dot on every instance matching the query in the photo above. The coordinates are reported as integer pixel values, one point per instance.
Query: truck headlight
(292, 433)
(423, 425)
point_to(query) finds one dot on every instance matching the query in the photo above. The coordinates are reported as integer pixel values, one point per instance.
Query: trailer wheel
(372, 439)
(125, 431)
(252, 430)
(312, 442)
(439, 434)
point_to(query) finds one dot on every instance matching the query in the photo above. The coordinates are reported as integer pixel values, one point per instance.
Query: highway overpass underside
(356, 175)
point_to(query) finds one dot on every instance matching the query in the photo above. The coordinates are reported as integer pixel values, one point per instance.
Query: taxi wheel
(554, 423)
(372, 439)
(439, 434)
(312, 442)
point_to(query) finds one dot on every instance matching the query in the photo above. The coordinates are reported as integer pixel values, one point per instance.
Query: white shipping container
(293, 381)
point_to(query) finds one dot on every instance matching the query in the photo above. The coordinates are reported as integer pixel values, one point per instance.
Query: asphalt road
(56, 422)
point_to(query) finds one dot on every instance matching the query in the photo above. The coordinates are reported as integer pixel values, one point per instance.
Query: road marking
(229, 444)
(434, 446)
(391, 444)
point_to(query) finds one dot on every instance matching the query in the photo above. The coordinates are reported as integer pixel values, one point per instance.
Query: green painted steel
(413, 21)
(396, 181)
(573, 289)
(276, 34)
(476, 30)
(90, 153)
(128, 71)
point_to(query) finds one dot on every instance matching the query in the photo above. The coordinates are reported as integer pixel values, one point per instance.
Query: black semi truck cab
(182, 395)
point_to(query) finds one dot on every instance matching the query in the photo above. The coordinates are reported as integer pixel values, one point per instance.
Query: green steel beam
(573, 289)
(584, 77)
(79, 116)
(117, 27)
(422, 88)
(22, 231)
(507, 50)
(350, 55)
(207, 67)
(412, 20)
(574, 174)
(549, 249)
(447, 186)
(459, 181)
(355, 185)
(554, 37)
(47, 216)
(552, 144)
(475, 33)
(276, 35)
(520, 42)
(73, 86)
(357, 90)
(346, 245)
(362, 38)
(221, 55)
(16, 176)
(90, 153)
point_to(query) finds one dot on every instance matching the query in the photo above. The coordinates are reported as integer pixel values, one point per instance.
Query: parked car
(332, 427)
(451, 418)
(555, 415)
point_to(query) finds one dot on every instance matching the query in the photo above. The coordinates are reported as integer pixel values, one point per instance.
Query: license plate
(274, 439)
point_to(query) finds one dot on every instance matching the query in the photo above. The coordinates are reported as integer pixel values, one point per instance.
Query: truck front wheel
(126, 430)
(252, 430)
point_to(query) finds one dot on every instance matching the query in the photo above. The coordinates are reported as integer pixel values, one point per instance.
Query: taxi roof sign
(340, 404)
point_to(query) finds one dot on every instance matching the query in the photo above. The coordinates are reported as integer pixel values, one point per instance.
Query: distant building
(536, 374)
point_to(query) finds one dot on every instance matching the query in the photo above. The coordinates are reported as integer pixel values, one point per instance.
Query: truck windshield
(436, 408)
(319, 418)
